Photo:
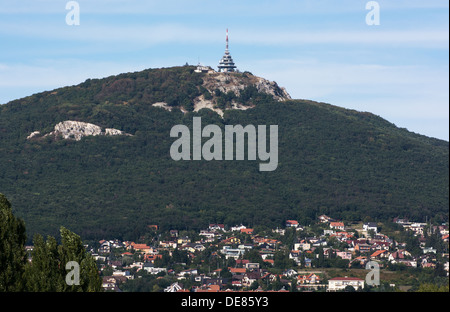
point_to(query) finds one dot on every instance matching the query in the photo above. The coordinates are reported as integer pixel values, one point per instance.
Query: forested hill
(346, 164)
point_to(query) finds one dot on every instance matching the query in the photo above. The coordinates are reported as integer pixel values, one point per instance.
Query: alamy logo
(213, 148)
(373, 277)
(73, 277)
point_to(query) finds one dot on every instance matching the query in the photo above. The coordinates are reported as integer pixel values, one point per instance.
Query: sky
(323, 50)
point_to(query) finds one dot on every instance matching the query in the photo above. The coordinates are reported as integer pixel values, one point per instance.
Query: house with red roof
(291, 223)
(247, 231)
(337, 225)
(383, 253)
(340, 283)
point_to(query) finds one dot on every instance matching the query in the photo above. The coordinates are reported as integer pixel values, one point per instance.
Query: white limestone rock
(75, 130)
(33, 134)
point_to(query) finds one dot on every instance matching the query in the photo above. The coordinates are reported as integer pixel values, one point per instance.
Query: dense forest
(347, 164)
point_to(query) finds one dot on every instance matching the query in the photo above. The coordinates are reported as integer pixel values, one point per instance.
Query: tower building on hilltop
(226, 64)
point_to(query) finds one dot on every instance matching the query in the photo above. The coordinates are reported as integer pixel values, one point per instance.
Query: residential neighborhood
(327, 255)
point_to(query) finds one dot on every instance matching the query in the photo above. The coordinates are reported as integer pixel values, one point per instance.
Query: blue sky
(321, 50)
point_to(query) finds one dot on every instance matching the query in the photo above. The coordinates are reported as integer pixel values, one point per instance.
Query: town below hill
(325, 256)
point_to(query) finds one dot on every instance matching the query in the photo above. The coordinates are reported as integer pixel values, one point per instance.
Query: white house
(339, 283)
(237, 228)
(232, 253)
(370, 226)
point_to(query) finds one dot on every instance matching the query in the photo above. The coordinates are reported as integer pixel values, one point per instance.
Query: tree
(48, 272)
(43, 274)
(349, 288)
(12, 248)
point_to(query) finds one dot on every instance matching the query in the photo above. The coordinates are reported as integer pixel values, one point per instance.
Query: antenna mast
(227, 40)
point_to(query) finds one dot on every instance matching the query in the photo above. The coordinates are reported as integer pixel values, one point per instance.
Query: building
(337, 225)
(370, 226)
(339, 283)
(226, 64)
(325, 219)
(203, 69)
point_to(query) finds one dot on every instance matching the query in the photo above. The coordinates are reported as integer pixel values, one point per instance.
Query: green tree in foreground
(48, 272)
(12, 248)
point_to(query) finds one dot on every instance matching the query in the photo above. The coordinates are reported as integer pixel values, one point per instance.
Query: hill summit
(343, 163)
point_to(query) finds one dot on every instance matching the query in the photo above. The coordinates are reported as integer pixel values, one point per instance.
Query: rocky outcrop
(33, 134)
(272, 88)
(234, 82)
(163, 105)
(75, 130)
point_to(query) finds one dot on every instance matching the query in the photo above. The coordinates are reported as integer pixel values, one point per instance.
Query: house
(325, 219)
(417, 227)
(290, 273)
(252, 266)
(340, 283)
(138, 265)
(370, 226)
(184, 273)
(203, 69)
(245, 246)
(125, 274)
(279, 231)
(407, 262)
(110, 283)
(429, 250)
(168, 244)
(291, 223)
(141, 247)
(362, 248)
(237, 280)
(295, 255)
(265, 253)
(361, 260)
(237, 271)
(242, 262)
(337, 225)
(231, 240)
(346, 255)
(216, 227)
(183, 240)
(247, 231)
(151, 258)
(399, 254)
(302, 246)
(105, 247)
(320, 242)
(209, 235)
(193, 247)
(383, 253)
(380, 245)
(308, 279)
(271, 261)
(232, 252)
(251, 277)
(150, 268)
(238, 228)
(400, 221)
